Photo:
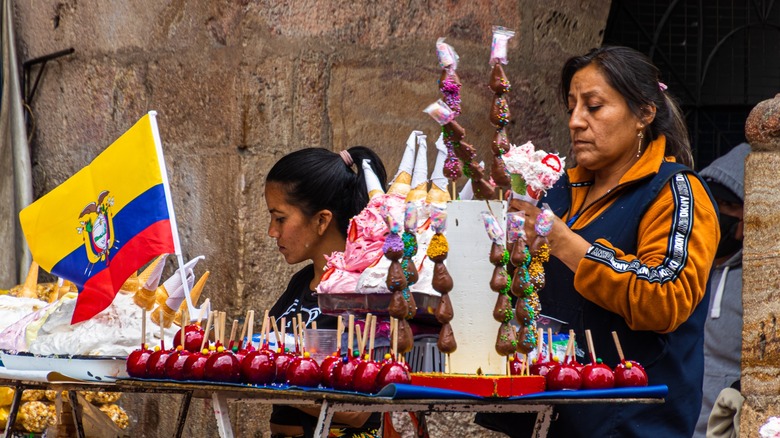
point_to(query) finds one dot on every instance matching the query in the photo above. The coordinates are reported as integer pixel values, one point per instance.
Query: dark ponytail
(317, 179)
(635, 77)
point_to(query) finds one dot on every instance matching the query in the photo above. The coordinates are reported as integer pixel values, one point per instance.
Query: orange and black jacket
(653, 239)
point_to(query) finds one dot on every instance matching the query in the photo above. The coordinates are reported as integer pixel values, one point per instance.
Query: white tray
(90, 368)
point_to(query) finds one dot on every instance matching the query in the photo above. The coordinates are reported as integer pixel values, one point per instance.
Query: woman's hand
(565, 245)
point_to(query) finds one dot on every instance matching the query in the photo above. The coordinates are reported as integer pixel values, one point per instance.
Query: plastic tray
(377, 304)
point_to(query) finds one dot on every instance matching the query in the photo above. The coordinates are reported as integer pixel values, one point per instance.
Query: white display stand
(472, 300)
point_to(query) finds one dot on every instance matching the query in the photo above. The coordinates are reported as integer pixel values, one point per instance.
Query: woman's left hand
(565, 245)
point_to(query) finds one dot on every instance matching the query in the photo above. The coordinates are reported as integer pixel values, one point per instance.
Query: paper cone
(150, 277)
(437, 176)
(373, 185)
(420, 172)
(30, 287)
(195, 295)
(403, 178)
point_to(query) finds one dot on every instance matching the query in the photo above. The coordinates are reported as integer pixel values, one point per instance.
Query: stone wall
(239, 83)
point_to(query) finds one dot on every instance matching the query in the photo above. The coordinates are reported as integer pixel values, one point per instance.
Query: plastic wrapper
(498, 48)
(438, 217)
(440, 112)
(515, 226)
(544, 221)
(448, 58)
(493, 228)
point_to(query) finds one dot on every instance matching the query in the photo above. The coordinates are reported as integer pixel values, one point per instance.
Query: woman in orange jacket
(632, 244)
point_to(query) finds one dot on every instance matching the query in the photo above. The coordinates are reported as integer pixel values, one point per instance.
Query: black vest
(674, 359)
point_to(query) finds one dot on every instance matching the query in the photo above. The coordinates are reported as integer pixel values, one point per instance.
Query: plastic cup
(320, 343)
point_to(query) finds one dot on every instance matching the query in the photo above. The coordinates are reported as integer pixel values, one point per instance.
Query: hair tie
(662, 86)
(347, 158)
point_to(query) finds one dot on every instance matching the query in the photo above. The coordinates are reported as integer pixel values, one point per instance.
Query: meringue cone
(418, 193)
(131, 285)
(167, 317)
(373, 185)
(30, 287)
(144, 298)
(401, 184)
(437, 195)
(195, 295)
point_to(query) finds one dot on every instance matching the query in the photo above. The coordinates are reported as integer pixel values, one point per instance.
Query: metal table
(329, 402)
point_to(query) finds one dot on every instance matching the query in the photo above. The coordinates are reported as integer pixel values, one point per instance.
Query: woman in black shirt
(311, 195)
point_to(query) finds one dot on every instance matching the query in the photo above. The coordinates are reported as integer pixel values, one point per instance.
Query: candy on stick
(137, 359)
(596, 375)
(283, 357)
(628, 372)
(506, 340)
(368, 369)
(499, 112)
(223, 365)
(393, 370)
(344, 371)
(564, 375)
(329, 363)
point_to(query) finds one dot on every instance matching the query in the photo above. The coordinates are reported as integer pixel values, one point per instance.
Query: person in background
(723, 327)
(311, 195)
(631, 246)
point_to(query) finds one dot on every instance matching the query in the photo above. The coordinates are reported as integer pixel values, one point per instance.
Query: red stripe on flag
(99, 291)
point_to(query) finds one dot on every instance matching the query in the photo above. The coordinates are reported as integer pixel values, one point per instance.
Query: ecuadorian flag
(108, 220)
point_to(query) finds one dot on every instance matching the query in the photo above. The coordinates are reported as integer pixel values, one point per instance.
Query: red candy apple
(195, 364)
(174, 365)
(258, 367)
(327, 365)
(222, 366)
(304, 371)
(630, 373)
(344, 372)
(283, 359)
(596, 375)
(136, 362)
(516, 366)
(193, 338)
(155, 365)
(563, 376)
(393, 372)
(365, 376)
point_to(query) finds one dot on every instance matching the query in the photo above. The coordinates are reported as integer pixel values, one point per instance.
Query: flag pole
(172, 216)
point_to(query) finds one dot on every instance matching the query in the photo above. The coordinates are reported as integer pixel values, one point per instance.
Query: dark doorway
(719, 59)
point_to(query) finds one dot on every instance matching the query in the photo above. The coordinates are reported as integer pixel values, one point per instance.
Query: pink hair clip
(662, 86)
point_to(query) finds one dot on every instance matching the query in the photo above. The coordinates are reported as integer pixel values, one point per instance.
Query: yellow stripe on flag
(126, 169)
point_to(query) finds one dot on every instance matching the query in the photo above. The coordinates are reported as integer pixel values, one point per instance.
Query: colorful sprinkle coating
(393, 243)
(438, 246)
(452, 167)
(450, 89)
(410, 244)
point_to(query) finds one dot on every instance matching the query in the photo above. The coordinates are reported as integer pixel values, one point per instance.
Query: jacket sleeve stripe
(677, 246)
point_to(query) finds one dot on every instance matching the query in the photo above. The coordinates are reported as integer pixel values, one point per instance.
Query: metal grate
(719, 58)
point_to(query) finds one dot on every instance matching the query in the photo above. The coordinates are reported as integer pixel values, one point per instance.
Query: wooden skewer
(366, 327)
(394, 329)
(233, 331)
(283, 346)
(590, 346)
(276, 333)
(619, 348)
(244, 328)
(360, 342)
(206, 332)
(162, 332)
(301, 328)
(371, 341)
(339, 332)
(314, 325)
(203, 308)
(250, 328)
(223, 327)
(143, 329)
(185, 317)
(350, 335)
(539, 339)
(295, 334)
(549, 345)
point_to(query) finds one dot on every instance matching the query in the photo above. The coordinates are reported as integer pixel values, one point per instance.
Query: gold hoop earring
(639, 146)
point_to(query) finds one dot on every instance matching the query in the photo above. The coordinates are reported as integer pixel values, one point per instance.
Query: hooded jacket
(723, 326)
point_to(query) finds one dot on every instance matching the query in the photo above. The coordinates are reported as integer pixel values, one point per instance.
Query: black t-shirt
(299, 298)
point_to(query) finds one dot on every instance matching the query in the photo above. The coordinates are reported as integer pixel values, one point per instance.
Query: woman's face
(603, 128)
(295, 233)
